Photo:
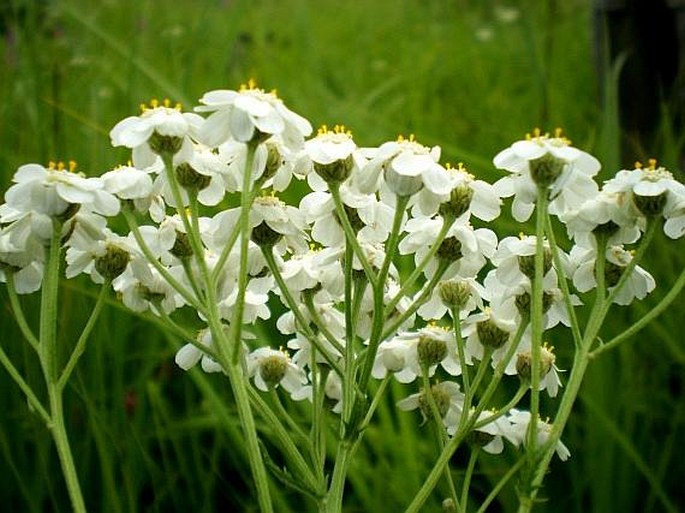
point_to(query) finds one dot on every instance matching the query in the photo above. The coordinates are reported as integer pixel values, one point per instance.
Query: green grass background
(148, 437)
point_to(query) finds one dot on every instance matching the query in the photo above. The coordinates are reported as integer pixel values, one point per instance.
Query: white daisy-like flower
(488, 436)
(24, 262)
(637, 286)
(405, 166)
(53, 190)
(605, 213)
(189, 355)
(448, 399)
(242, 114)
(405, 354)
(652, 191)
(549, 162)
(518, 432)
(158, 128)
(467, 194)
(271, 368)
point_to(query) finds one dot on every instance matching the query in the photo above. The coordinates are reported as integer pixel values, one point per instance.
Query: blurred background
(471, 76)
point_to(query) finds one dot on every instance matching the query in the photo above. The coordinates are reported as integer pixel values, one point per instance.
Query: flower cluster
(338, 262)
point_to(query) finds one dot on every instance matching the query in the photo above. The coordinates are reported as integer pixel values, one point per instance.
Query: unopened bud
(491, 335)
(181, 248)
(650, 206)
(527, 263)
(454, 293)
(113, 262)
(272, 369)
(458, 202)
(164, 143)
(545, 170)
(450, 249)
(431, 350)
(336, 172)
(265, 236)
(188, 178)
(522, 302)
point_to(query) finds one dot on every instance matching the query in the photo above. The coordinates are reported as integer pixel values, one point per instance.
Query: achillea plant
(470, 316)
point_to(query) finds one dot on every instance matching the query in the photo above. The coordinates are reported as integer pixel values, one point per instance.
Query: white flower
(283, 221)
(271, 368)
(189, 355)
(603, 212)
(638, 285)
(548, 162)
(447, 397)
(466, 194)
(24, 262)
(405, 354)
(241, 114)
(156, 121)
(652, 191)
(518, 432)
(52, 190)
(405, 166)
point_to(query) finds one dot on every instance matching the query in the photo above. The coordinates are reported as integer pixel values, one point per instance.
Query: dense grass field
(470, 76)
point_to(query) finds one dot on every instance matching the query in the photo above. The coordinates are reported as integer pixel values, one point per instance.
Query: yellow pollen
(638, 164)
(522, 235)
(154, 103)
(250, 86)
(59, 166)
(652, 164)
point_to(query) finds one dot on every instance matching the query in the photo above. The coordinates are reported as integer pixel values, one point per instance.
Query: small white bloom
(137, 132)
(518, 433)
(241, 114)
(270, 368)
(549, 162)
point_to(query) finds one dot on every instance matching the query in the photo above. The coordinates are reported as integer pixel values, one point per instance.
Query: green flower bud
(458, 202)
(164, 143)
(491, 335)
(336, 172)
(612, 273)
(272, 369)
(522, 302)
(441, 398)
(265, 236)
(479, 438)
(274, 161)
(527, 263)
(545, 170)
(454, 293)
(431, 350)
(607, 229)
(448, 506)
(182, 248)
(524, 363)
(113, 262)
(650, 206)
(450, 249)
(188, 178)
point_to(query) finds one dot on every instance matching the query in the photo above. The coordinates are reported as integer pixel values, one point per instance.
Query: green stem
(163, 271)
(350, 236)
(645, 319)
(83, 339)
(28, 391)
(19, 312)
(498, 487)
(409, 282)
(48, 352)
(465, 377)
(294, 307)
(467, 478)
(536, 321)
